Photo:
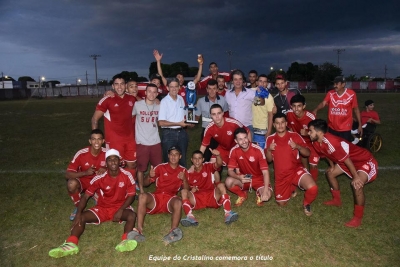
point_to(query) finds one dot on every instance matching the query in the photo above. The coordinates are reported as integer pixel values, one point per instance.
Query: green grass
(39, 137)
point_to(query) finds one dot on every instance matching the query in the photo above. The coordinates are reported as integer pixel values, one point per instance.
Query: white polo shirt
(172, 110)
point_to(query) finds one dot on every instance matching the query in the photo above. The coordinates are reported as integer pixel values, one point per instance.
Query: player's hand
(194, 189)
(266, 195)
(182, 176)
(292, 144)
(357, 183)
(215, 152)
(272, 145)
(117, 215)
(152, 172)
(243, 179)
(101, 171)
(200, 59)
(304, 132)
(90, 171)
(157, 55)
(360, 130)
(109, 93)
(77, 220)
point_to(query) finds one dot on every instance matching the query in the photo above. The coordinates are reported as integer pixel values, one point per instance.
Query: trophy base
(190, 121)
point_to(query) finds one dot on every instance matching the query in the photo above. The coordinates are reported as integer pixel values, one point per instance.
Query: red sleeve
(327, 98)
(232, 164)
(103, 104)
(206, 138)
(93, 187)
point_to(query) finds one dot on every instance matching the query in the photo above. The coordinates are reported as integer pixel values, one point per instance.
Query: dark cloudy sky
(54, 38)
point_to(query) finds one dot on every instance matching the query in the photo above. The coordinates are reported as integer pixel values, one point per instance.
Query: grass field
(38, 138)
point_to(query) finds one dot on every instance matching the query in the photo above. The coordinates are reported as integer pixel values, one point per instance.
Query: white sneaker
(355, 141)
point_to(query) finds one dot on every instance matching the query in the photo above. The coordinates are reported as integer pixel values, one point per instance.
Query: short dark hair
(238, 131)
(263, 76)
(215, 106)
(212, 82)
(298, 99)
(221, 77)
(155, 76)
(278, 115)
(253, 71)
(237, 72)
(319, 125)
(180, 73)
(97, 131)
(197, 152)
(118, 76)
(212, 63)
(151, 85)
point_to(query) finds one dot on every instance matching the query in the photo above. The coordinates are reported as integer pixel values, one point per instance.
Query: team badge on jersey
(229, 132)
(204, 174)
(121, 184)
(130, 103)
(252, 159)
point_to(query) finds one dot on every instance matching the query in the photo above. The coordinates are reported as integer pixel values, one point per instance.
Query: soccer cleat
(307, 210)
(126, 245)
(73, 214)
(333, 202)
(136, 235)
(240, 200)
(173, 236)
(231, 217)
(353, 223)
(259, 202)
(189, 221)
(65, 249)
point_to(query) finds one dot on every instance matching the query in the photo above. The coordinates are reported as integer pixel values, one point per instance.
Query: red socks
(76, 197)
(310, 195)
(187, 206)
(72, 239)
(124, 236)
(357, 218)
(237, 191)
(314, 173)
(336, 201)
(225, 201)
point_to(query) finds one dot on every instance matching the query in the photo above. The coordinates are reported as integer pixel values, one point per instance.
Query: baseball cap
(368, 102)
(280, 77)
(112, 152)
(339, 79)
(174, 148)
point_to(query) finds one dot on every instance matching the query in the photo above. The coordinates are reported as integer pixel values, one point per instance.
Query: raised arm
(200, 71)
(158, 58)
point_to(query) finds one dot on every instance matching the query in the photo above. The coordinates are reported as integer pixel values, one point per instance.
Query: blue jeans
(174, 137)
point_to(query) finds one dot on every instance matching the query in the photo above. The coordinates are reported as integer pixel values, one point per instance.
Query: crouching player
(285, 148)
(87, 163)
(203, 191)
(344, 157)
(117, 188)
(169, 178)
(247, 169)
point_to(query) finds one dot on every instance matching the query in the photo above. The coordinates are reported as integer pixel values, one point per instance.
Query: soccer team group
(237, 133)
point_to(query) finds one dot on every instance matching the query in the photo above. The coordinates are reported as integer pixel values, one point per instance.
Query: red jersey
(286, 160)
(203, 83)
(203, 179)
(338, 150)
(112, 191)
(167, 180)
(223, 135)
(117, 116)
(221, 93)
(366, 115)
(340, 109)
(83, 160)
(182, 93)
(296, 124)
(252, 161)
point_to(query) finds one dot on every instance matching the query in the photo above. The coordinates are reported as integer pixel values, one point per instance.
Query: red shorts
(126, 148)
(105, 214)
(152, 154)
(313, 159)
(161, 201)
(205, 199)
(256, 184)
(284, 186)
(85, 183)
(224, 155)
(370, 168)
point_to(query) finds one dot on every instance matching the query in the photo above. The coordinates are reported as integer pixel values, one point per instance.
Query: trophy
(261, 93)
(191, 100)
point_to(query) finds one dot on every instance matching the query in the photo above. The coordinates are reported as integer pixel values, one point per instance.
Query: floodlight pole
(230, 53)
(95, 69)
(338, 51)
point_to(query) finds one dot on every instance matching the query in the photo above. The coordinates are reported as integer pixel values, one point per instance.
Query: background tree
(26, 79)
(325, 75)
(166, 69)
(301, 72)
(351, 78)
(179, 67)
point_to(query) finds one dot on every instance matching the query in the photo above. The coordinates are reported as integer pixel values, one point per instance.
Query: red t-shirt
(338, 150)
(286, 160)
(224, 135)
(340, 109)
(252, 161)
(167, 180)
(203, 179)
(83, 160)
(117, 116)
(112, 191)
(366, 115)
(296, 124)
(203, 83)
(222, 93)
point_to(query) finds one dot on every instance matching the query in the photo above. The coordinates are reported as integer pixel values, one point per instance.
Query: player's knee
(281, 203)
(229, 182)
(221, 187)
(73, 185)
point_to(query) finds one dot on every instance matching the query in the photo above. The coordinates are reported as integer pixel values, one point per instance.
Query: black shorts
(345, 135)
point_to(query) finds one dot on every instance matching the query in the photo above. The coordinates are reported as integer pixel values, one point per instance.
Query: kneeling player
(118, 192)
(169, 178)
(344, 157)
(203, 191)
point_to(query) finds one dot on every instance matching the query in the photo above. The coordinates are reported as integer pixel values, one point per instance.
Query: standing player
(169, 178)
(203, 191)
(341, 103)
(214, 73)
(253, 80)
(282, 99)
(285, 148)
(117, 188)
(344, 157)
(221, 129)
(298, 118)
(221, 85)
(148, 143)
(249, 159)
(86, 163)
(117, 112)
